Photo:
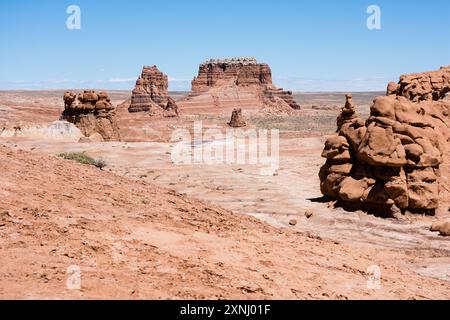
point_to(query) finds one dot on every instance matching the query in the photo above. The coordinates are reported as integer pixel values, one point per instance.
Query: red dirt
(135, 240)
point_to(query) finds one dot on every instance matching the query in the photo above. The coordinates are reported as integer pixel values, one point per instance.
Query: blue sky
(310, 45)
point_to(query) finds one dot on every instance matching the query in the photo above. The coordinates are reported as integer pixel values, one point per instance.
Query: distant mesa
(92, 113)
(242, 82)
(392, 162)
(238, 71)
(151, 93)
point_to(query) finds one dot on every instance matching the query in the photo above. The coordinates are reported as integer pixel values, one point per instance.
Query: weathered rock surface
(57, 130)
(391, 162)
(92, 113)
(225, 83)
(442, 227)
(427, 86)
(237, 120)
(151, 93)
(240, 71)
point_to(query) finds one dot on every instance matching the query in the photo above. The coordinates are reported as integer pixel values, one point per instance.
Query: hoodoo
(237, 120)
(151, 93)
(92, 113)
(391, 162)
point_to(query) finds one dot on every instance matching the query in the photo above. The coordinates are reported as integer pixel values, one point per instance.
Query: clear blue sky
(310, 45)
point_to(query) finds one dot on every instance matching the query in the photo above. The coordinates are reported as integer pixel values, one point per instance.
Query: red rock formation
(238, 81)
(237, 120)
(92, 113)
(151, 92)
(427, 86)
(391, 162)
(238, 71)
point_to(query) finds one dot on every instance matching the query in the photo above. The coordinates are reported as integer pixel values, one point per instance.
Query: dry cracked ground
(145, 228)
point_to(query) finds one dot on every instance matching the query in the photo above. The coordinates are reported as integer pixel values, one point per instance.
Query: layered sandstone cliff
(238, 71)
(237, 82)
(92, 113)
(151, 93)
(391, 162)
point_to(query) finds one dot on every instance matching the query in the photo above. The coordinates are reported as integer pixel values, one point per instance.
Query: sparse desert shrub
(100, 163)
(83, 158)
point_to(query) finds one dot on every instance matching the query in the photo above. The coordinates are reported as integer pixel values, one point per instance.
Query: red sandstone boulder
(442, 227)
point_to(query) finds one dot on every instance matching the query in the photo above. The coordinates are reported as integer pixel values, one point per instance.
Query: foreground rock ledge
(130, 240)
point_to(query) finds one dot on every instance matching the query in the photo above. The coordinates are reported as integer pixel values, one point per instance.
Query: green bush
(83, 158)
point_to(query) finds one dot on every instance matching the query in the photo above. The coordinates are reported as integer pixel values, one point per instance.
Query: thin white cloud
(317, 85)
(180, 84)
(178, 80)
(117, 80)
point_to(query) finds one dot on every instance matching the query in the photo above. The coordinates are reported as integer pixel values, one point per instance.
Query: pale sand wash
(407, 245)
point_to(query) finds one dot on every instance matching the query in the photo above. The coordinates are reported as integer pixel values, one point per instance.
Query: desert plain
(144, 227)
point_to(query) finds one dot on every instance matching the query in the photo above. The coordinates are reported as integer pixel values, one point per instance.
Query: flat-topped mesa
(427, 86)
(391, 162)
(92, 113)
(151, 92)
(239, 72)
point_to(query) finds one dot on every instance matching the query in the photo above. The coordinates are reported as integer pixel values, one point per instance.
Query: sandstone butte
(226, 84)
(390, 163)
(92, 113)
(151, 93)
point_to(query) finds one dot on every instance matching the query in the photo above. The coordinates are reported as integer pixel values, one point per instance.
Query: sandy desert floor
(148, 228)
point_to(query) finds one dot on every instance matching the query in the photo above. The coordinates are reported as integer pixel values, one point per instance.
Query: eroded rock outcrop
(92, 113)
(427, 86)
(237, 120)
(391, 162)
(244, 82)
(151, 93)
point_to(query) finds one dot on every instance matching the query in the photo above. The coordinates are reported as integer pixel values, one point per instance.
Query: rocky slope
(133, 240)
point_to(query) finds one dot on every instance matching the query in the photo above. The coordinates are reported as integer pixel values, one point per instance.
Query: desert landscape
(153, 194)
